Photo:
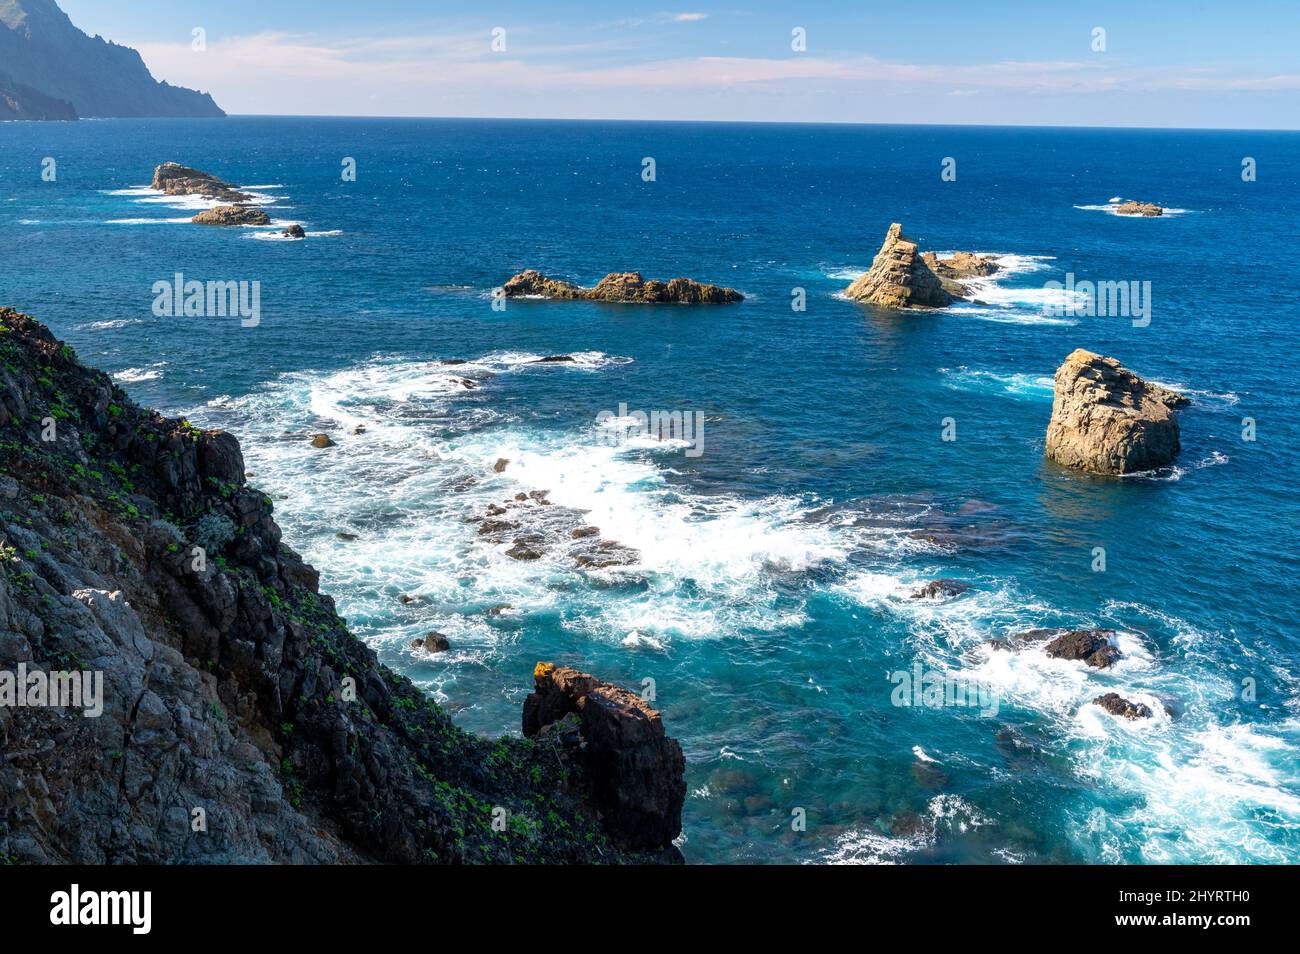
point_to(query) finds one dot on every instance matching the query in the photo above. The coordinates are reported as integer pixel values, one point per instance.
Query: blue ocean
(766, 607)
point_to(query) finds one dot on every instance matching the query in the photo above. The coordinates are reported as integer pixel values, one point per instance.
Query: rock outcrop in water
(232, 215)
(1148, 209)
(174, 179)
(1117, 705)
(1107, 420)
(622, 287)
(635, 770)
(49, 61)
(132, 547)
(899, 277)
(960, 265)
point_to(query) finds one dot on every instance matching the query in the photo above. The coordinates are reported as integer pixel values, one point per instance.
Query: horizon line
(728, 122)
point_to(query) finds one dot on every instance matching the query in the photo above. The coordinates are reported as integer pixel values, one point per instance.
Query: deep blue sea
(769, 604)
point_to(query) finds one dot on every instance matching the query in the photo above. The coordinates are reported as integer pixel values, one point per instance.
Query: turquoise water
(768, 602)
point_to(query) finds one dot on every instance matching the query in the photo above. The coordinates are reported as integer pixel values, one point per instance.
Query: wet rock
(637, 772)
(939, 589)
(1117, 705)
(581, 532)
(1092, 646)
(522, 551)
(555, 359)
(496, 526)
(321, 441)
(294, 232)
(344, 535)
(432, 643)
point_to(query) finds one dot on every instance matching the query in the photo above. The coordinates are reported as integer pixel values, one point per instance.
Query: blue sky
(1189, 63)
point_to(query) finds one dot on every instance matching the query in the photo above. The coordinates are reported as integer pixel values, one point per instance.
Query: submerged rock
(1117, 705)
(636, 771)
(1107, 420)
(899, 277)
(232, 215)
(627, 287)
(1148, 209)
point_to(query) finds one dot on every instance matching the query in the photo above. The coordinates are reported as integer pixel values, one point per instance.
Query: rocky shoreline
(234, 694)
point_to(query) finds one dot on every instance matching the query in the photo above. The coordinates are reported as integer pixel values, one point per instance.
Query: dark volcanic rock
(294, 231)
(637, 773)
(432, 643)
(232, 685)
(1117, 705)
(1092, 646)
(937, 589)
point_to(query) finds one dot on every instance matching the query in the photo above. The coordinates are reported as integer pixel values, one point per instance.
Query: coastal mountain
(49, 69)
(237, 719)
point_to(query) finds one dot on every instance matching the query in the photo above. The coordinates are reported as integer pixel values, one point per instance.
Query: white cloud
(457, 74)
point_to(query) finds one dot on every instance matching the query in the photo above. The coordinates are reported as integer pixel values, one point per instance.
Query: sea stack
(1107, 420)
(899, 277)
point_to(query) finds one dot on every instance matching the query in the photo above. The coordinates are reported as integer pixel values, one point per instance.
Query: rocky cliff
(43, 51)
(241, 721)
(22, 102)
(1107, 420)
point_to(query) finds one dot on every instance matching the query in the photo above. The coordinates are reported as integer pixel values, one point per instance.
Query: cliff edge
(239, 719)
